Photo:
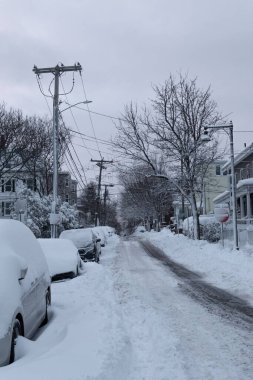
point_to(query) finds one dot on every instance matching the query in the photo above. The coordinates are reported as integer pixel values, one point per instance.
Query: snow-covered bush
(69, 216)
(209, 229)
(38, 211)
(212, 232)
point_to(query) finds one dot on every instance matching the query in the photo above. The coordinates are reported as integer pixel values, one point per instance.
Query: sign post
(221, 213)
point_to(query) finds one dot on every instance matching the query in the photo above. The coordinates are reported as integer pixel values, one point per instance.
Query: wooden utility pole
(105, 197)
(56, 71)
(100, 164)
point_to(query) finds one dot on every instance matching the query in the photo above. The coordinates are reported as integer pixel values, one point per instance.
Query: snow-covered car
(109, 231)
(203, 221)
(100, 232)
(62, 258)
(139, 229)
(24, 286)
(86, 241)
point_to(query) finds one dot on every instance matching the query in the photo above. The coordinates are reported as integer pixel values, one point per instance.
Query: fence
(245, 231)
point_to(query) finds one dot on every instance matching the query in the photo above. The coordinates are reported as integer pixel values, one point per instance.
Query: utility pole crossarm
(102, 161)
(57, 68)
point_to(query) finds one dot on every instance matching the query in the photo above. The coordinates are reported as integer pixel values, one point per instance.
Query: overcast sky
(124, 47)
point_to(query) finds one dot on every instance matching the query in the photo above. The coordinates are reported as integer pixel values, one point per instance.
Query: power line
(91, 137)
(88, 108)
(74, 119)
(67, 147)
(75, 166)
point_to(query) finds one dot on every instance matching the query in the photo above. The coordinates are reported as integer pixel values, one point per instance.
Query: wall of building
(215, 183)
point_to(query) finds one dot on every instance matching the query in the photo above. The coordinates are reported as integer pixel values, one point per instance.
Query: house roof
(222, 195)
(240, 157)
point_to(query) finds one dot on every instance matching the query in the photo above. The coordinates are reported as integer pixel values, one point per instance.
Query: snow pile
(226, 268)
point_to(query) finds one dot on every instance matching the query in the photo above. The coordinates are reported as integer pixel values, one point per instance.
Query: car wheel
(16, 332)
(48, 301)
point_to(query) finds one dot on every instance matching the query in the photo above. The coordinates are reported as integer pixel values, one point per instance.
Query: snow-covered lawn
(226, 268)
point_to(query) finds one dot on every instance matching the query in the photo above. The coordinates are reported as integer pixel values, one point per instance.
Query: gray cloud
(124, 47)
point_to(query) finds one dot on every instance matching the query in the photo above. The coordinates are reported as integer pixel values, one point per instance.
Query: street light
(206, 138)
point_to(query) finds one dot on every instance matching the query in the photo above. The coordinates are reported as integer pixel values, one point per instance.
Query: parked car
(138, 230)
(86, 241)
(204, 220)
(24, 286)
(62, 258)
(109, 231)
(100, 232)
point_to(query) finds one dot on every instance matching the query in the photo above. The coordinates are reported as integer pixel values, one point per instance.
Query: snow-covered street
(130, 318)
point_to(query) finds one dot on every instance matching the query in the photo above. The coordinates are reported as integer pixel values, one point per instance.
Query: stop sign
(221, 212)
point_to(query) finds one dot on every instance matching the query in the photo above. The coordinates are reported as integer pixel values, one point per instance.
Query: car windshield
(80, 238)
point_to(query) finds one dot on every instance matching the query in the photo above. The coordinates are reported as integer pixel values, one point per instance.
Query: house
(215, 182)
(67, 187)
(244, 184)
(9, 199)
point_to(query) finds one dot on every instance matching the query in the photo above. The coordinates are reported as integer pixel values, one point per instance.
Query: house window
(6, 208)
(67, 182)
(66, 198)
(218, 170)
(8, 186)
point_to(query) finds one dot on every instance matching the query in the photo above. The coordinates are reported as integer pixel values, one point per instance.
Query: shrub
(211, 232)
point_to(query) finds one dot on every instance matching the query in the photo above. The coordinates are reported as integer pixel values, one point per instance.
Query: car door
(29, 301)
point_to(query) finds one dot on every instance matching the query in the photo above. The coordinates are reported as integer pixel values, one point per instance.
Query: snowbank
(223, 267)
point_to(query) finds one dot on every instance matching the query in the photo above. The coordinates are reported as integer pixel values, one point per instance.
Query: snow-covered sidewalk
(226, 268)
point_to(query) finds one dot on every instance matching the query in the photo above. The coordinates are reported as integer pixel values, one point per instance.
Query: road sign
(221, 212)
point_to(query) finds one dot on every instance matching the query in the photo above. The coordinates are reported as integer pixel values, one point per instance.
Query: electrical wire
(102, 141)
(82, 168)
(72, 171)
(74, 119)
(50, 111)
(69, 152)
(75, 167)
(40, 87)
(88, 109)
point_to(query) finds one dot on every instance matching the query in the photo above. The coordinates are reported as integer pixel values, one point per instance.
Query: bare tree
(143, 197)
(40, 164)
(173, 126)
(15, 142)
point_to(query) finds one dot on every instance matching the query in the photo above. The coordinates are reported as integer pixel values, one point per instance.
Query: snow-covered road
(171, 336)
(129, 318)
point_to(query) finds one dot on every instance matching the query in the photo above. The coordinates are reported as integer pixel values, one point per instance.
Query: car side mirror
(98, 240)
(23, 272)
